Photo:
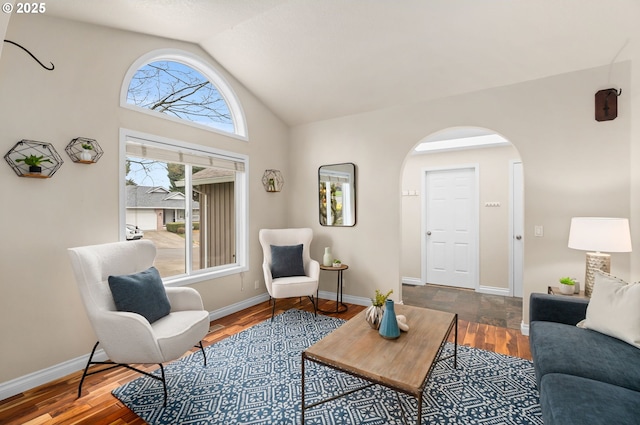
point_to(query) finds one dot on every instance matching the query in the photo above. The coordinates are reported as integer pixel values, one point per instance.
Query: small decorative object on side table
(326, 258)
(567, 286)
(340, 306)
(554, 290)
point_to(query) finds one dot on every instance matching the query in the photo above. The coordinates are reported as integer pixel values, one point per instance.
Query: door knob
(428, 232)
(518, 237)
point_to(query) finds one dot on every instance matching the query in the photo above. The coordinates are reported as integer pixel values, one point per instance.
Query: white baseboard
(524, 328)
(328, 295)
(491, 290)
(412, 281)
(233, 308)
(41, 377)
(44, 376)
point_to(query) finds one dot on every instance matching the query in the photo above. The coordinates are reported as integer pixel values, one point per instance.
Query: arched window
(180, 86)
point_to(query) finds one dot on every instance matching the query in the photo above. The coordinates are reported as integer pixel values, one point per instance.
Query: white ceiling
(311, 60)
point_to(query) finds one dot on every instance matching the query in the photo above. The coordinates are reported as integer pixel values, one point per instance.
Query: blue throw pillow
(141, 293)
(286, 261)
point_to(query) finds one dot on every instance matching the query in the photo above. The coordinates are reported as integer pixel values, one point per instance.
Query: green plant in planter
(380, 298)
(87, 146)
(33, 160)
(567, 281)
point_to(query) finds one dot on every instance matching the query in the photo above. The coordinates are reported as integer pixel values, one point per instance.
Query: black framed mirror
(337, 194)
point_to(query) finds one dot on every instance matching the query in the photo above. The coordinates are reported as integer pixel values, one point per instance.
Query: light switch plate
(538, 231)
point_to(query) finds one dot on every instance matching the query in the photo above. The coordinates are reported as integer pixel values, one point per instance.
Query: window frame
(241, 203)
(204, 68)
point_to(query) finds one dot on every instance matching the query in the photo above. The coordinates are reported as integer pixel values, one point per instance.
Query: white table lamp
(598, 234)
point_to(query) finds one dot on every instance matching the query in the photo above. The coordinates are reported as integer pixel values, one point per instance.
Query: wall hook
(31, 54)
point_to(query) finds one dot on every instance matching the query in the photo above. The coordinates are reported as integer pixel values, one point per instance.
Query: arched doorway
(462, 212)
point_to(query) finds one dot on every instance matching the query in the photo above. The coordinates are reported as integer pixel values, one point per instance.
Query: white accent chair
(291, 286)
(128, 338)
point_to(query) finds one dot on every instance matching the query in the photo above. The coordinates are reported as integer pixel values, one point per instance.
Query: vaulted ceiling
(311, 60)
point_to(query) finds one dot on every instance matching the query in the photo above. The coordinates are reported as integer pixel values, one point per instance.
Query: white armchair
(128, 338)
(300, 280)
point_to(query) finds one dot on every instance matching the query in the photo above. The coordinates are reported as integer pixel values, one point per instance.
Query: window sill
(183, 280)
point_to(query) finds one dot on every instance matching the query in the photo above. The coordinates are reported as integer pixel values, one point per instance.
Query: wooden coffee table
(404, 364)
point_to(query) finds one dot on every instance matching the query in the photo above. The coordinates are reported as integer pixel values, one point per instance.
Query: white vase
(85, 155)
(576, 289)
(373, 316)
(566, 289)
(327, 259)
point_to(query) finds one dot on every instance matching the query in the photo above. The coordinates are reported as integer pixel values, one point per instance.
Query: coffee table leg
(455, 344)
(302, 406)
(419, 418)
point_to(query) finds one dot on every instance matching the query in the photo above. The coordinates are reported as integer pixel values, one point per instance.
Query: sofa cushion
(613, 309)
(560, 348)
(142, 293)
(286, 261)
(567, 400)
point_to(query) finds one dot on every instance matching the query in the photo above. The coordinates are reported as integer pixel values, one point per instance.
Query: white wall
(42, 322)
(573, 166)
(633, 93)
(493, 229)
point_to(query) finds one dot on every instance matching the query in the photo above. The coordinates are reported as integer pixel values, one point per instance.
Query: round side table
(340, 306)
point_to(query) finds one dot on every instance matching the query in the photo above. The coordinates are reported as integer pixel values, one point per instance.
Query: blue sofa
(584, 377)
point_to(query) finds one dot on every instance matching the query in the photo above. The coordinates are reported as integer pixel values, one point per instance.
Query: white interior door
(517, 226)
(450, 230)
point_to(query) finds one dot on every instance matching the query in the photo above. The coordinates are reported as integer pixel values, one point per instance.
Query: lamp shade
(600, 234)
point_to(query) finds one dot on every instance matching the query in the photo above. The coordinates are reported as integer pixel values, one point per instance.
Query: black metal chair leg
(273, 309)
(86, 369)
(315, 309)
(204, 356)
(164, 384)
(111, 365)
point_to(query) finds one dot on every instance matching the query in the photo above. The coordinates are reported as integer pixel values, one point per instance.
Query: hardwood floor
(56, 402)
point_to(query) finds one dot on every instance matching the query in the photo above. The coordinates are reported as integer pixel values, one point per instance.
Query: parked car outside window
(133, 232)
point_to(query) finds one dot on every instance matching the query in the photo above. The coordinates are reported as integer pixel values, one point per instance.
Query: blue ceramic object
(389, 326)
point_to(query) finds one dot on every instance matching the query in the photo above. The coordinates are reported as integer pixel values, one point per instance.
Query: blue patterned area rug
(254, 377)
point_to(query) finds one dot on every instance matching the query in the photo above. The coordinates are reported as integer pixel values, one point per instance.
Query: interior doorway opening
(492, 256)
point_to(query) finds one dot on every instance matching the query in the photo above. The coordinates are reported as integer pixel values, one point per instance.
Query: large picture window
(190, 200)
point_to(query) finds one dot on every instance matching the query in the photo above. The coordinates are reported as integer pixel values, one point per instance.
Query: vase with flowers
(373, 313)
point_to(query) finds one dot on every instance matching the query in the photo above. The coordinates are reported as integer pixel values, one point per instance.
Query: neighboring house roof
(155, 197)
(210, 175)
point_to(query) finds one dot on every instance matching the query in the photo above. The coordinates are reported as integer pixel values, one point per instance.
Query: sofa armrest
(557, 308)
